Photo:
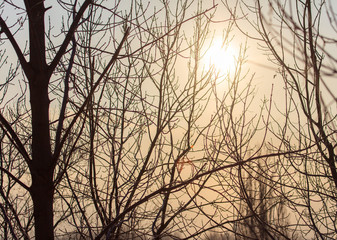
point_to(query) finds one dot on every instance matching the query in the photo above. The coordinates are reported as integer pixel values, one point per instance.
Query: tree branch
(69, 36)
(15, 179)
(85, 103)
(14, 138)
(65, 96)
(19, 54)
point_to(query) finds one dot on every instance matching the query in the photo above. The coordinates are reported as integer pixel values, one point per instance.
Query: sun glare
(220, 58)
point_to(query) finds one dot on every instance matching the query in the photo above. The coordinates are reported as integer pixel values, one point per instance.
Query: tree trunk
(42, 195)
(42, 166)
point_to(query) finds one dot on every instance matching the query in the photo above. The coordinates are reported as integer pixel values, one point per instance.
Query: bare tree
(299, 38)
(101, 137)
(86, 144)
(98, 128)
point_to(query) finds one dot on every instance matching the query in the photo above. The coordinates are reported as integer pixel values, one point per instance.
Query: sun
(220, 58)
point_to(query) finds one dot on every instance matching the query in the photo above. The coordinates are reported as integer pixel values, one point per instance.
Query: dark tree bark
(41, 167)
